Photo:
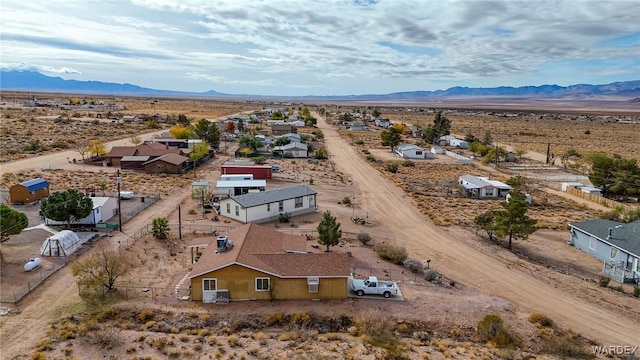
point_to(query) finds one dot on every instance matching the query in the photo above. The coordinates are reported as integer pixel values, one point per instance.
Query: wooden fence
(596, 199)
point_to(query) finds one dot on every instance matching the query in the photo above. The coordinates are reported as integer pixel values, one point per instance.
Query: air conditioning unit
(313, 282)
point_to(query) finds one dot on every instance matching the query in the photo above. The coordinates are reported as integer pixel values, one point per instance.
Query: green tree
(160, 228)
(495, 155)
(486, 221)
(101, 269)
(281, 141)
(208, 131)
(250, 142)
(518, 182)
(513, 220)
(67, 206)
(102, 185)
(182, 120)
(329, 232)
(276, 115)
(391, 137)
(321, 153)
(310, 121)
(376, 113)
(441, 126)
(12, 222)
(199, 151)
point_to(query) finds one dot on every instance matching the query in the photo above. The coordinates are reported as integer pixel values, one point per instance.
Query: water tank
(32, 264)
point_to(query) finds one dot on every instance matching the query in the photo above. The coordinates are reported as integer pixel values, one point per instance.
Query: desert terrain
(435, 321)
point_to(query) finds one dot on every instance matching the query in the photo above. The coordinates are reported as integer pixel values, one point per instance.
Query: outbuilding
(104, 208)
(64, 243)
(29, 191)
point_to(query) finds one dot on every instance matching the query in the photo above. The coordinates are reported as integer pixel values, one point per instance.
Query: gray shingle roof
(625, 237)
(271, 196)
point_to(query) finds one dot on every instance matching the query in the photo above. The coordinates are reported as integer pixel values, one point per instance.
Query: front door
(209, 287)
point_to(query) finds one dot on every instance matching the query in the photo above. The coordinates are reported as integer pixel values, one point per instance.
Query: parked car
(372, 285)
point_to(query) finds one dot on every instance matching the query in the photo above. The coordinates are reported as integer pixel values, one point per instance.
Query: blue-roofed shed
(29, 191)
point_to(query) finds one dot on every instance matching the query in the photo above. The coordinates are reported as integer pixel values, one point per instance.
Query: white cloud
(40, 68)
(343, 46)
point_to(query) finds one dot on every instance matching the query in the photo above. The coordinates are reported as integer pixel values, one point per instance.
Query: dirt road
(388, 206)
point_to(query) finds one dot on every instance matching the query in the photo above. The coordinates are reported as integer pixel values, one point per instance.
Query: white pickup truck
(372, 285)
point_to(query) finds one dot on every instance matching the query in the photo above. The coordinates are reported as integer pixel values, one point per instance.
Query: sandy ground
(453, 251)
(390, 207)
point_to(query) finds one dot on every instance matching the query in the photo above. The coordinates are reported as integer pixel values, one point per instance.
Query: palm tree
(160, 228)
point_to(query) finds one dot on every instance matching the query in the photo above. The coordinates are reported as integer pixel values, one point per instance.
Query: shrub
(636, 291)
(391, 253)
(259, 160)
(346, 200)
(359, 142)
(491, 328)
(275, 319)
(366, 152)
(567, 345)
(604, 281)
(412, 264)
(364, 237)
(145, 315)
(392, 168)
(432, 275)
(541, 319)
(408, 163)
(371, 158)
(284, 217)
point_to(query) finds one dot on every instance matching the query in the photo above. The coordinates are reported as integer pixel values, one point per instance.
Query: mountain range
(16, 80)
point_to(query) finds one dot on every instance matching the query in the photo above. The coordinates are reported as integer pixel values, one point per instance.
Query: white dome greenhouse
(64, 243)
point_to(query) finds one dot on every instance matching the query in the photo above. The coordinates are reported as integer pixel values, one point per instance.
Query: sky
(318, 47)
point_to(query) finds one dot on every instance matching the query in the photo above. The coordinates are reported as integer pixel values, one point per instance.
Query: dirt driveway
(388, 206)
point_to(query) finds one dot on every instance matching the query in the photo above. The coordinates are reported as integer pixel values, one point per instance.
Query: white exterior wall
(100, 213)
(258, 214)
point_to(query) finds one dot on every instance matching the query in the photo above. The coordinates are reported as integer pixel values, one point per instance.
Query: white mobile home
(239, 187)
(410, 151)
(104, 208)
(483, 188)
(269, 205)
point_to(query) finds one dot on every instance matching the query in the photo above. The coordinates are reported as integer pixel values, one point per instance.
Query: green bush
(392, 168)
(636, 291)
(391, 253)
(366, 152)
(371, 158)
(408, 163)
(359, 142)
(346, 200)
(259, 160)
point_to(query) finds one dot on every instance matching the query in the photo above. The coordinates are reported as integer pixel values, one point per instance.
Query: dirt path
(388, 206)
(59, 294)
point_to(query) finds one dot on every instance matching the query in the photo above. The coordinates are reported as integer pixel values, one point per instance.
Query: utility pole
(118, 181)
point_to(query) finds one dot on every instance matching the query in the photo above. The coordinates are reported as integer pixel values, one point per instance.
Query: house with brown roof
(255, 262)
(166, 164)
(281, 129)
(118, 152)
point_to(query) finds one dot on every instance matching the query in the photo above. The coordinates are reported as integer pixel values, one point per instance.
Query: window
(268, 207)
(209, 284)
(419, 153)
(614, 252)
(97, 210)
(237, 210)
(228, 208)
(488, 192)
(592, 243)
(280, 206)
(299, 202)
(262, 284)
(313, 282)
(312, 200)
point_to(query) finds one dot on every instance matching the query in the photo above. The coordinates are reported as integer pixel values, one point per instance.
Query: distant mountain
(37, 82)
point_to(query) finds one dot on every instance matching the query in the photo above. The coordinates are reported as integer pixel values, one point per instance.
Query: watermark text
(615, 350)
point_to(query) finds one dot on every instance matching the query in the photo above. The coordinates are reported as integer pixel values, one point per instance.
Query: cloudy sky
(340, 47)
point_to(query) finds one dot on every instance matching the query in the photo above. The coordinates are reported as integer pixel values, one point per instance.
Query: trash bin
(142, 199)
